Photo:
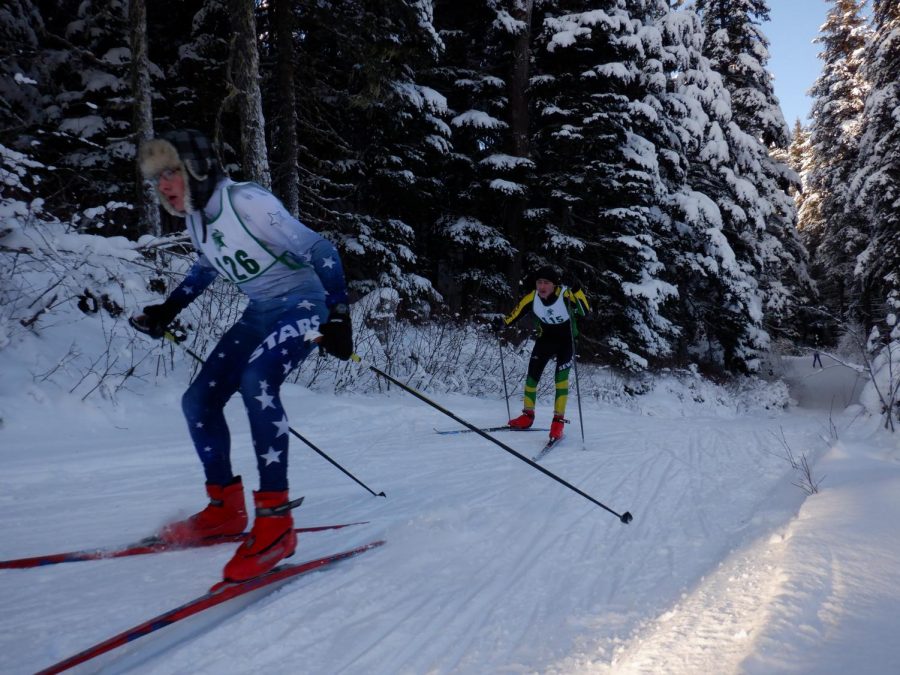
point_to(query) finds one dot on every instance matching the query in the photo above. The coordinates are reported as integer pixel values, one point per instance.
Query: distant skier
(295, 284)
(553, 307)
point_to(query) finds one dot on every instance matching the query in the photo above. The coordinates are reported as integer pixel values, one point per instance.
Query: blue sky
(793, 58)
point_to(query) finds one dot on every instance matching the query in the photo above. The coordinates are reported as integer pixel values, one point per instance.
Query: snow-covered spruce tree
(831, 226)
(281, 123)
(211, 80)
(24, 81)
(145, 203)
(817, 323)
(876, 183)
(519, 33)
(243, 85)
(190, 44)
(197, 76)
(83, 126)
(719, 300)
(660, 129)
(21, 26)
(800, 159)
(478, 243)
(737, 49)
(596, 200)
(714, 301)
(370, 133)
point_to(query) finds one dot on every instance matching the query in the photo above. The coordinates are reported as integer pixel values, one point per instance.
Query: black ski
(505, 427)
(552, 443)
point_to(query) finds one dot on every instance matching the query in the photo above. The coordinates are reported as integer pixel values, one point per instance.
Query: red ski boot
(556, 427)
(271, 540)
(523, 421)
(225, 514)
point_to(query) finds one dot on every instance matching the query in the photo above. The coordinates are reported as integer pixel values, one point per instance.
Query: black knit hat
(190, 151)
(548, 273)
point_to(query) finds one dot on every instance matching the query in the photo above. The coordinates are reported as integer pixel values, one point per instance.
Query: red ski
(223, 593)
(142, 547)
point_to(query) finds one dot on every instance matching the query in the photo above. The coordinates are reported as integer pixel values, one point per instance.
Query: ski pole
(577, 383)
(171, 337)
(624, 517)
(503, 370)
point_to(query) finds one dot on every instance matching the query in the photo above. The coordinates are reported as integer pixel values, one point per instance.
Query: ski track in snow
(489, 566)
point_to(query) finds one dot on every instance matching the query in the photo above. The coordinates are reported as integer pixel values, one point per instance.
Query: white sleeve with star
(268, 221)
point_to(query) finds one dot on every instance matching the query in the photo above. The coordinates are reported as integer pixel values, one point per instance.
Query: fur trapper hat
(190, 151)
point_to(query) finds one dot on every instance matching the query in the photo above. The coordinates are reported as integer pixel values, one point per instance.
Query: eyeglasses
(165, 174)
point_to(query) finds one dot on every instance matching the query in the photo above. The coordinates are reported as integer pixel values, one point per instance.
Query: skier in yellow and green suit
(554, 307)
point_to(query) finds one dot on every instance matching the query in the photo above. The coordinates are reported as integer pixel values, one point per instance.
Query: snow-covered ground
(489, 566)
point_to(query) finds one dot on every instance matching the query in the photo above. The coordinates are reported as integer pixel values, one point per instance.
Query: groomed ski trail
(492, 566)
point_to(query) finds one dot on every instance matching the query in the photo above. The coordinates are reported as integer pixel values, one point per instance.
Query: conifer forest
(449, 148)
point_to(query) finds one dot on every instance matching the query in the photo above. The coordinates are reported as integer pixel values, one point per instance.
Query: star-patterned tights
(254, 357)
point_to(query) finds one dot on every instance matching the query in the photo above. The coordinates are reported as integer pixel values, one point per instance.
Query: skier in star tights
(554, 308)
(295, 283)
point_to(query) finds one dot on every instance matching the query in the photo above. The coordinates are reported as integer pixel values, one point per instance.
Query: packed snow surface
(490, 566)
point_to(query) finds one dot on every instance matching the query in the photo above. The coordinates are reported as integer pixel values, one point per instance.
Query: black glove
(155, 319)
(337, 333)
(499, 324)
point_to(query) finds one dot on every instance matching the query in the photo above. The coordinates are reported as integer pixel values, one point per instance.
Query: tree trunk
(287, 181)
(245, 60)
(520, 123)
(142, 116)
